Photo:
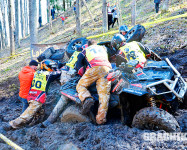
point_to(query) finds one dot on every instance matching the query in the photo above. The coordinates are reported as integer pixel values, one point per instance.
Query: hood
(27, 69)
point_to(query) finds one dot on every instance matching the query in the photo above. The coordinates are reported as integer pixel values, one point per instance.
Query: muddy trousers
(96, 74)
(59, 108)
(27, 115)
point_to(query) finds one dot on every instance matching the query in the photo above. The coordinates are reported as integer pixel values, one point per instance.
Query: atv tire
(135, 34)
(153, 118)
(72, 115)
(71, 47)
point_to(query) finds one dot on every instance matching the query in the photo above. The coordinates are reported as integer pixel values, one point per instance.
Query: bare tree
(33, 23)
(165, 5)
(22, 19)
(105, 17)
(64, 5)
(17, 38)
(133, 15)
(11, 27)
(78, 17)
(26, 16)
(119, 12)
(49, 16)
(1, 36)
(90, 14)
(4, 8)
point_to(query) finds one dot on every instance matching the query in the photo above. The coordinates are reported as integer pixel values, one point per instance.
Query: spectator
(40, 21)
(63, 19)
(115, 15)
(95, 59)
(74, 8)
(25, 78)
(110, 18)
(157, 2)
(53, 12)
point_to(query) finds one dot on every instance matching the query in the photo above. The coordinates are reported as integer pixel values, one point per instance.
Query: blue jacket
(156, 1)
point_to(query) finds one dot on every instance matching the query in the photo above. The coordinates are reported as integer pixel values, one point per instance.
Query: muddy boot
(6, 126)
(88, 103)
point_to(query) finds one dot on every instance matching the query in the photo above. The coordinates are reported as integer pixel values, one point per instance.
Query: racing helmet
(117, 41)
(123, 29)
(48, 65)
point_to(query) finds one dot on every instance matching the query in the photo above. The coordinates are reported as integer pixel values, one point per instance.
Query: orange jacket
(25, 77)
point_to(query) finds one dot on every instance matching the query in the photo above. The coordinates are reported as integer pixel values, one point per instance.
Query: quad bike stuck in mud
(147, 98)
(150, 96)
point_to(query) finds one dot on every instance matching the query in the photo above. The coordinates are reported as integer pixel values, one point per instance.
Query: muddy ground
(112, 135)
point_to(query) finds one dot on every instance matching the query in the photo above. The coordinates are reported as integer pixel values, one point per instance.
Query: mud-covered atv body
(149, 96)
(73, 111)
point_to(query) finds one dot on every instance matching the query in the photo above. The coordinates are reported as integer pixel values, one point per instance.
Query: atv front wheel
(72, 115)
(153, 118)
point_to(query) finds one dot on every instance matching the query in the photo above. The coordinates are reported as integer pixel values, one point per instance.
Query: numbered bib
(96, 51)
(39, 81)
(133, 51)
(72, 60)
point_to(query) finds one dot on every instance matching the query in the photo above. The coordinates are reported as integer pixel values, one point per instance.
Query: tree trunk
(22, 20)
(78, 17)
(165, 5)
(2, 41)
(17, 38)
(33, 23)
(49, 14)
(105, 17)
(26, 17)
(3, 8)
(64, 5)
(40, 10)
(133, 15)
(119, 12)
(11, 27)
(90, 14)
(1, 36)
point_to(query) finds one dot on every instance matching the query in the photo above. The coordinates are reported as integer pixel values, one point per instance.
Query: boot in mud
(88, 103)
(6, 126)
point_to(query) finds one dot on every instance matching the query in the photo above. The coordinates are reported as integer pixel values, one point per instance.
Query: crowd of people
(91, 62)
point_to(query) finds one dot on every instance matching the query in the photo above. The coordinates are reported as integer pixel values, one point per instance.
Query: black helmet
(48, 65)
(123, 28)
(117, 41)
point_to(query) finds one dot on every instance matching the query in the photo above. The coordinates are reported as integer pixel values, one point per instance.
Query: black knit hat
(33, 63)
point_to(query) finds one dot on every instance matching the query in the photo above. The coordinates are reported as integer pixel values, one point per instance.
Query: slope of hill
(168, 38)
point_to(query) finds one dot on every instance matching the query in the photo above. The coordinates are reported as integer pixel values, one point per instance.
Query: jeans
(25, 103)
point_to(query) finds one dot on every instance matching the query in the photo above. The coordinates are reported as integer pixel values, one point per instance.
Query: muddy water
(112, 135)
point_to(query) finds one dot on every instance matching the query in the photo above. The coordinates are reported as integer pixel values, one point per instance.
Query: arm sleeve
(51, 77)
(79, 65)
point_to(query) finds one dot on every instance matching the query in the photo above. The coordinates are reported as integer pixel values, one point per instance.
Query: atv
(149, 97)
(136, 33)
